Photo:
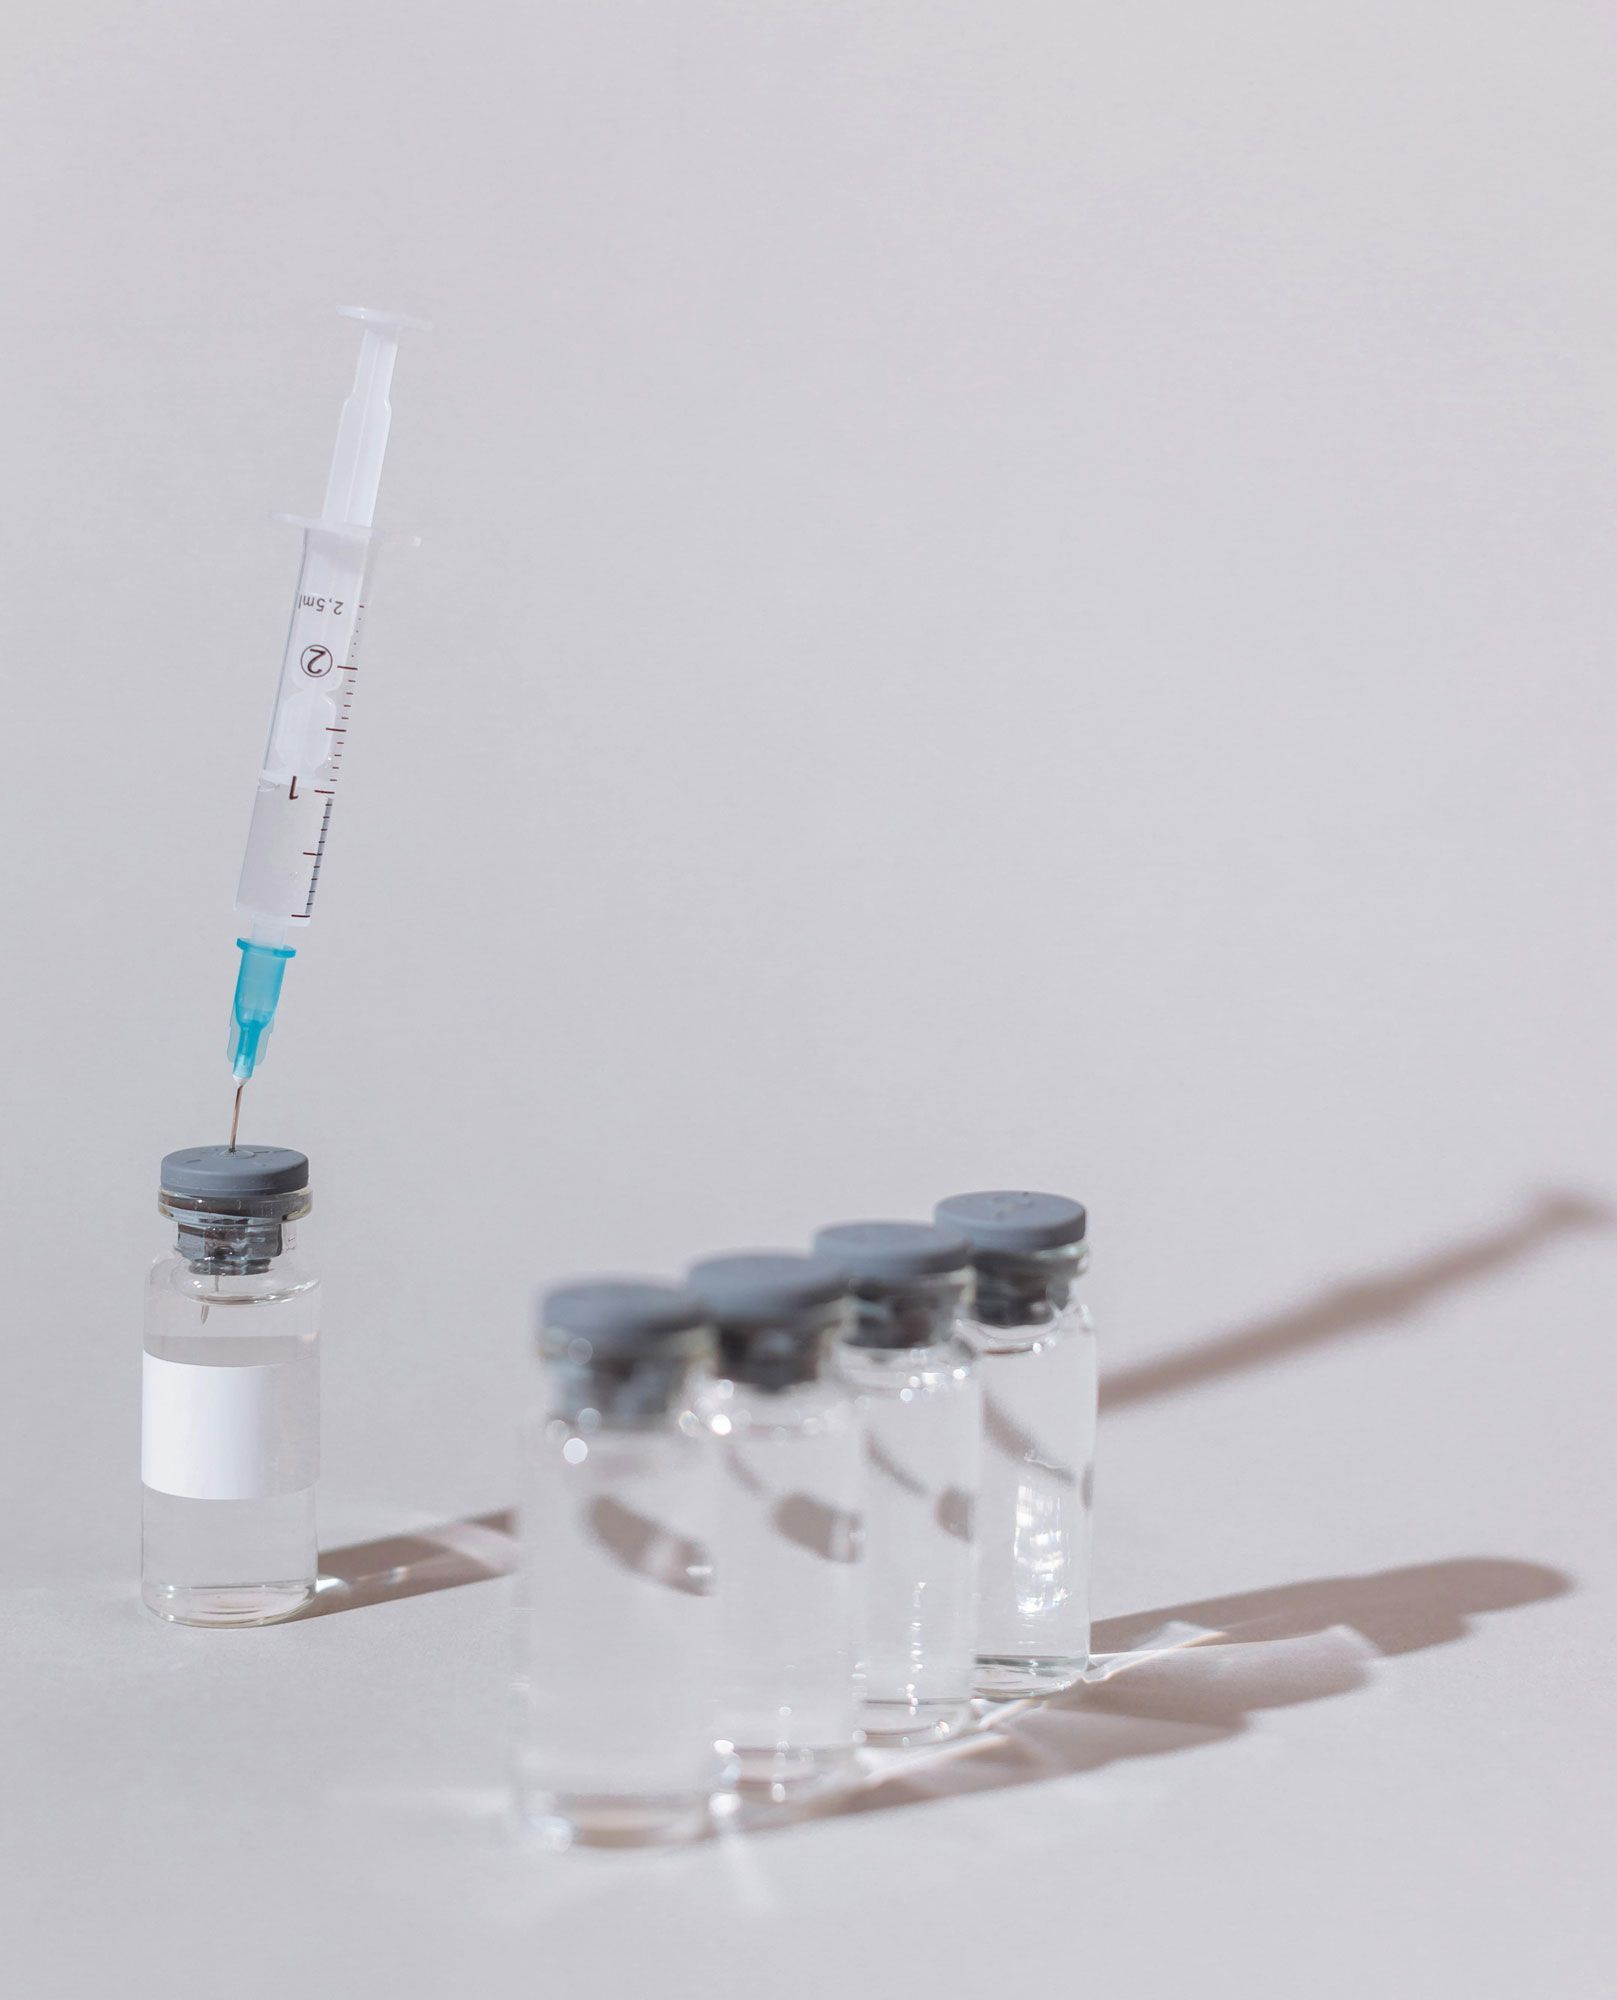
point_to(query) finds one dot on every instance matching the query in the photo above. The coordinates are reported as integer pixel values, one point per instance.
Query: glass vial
(788, 1548)
(616, 1729)
(230, 1401)
(915, 1379)
(1036, 1356)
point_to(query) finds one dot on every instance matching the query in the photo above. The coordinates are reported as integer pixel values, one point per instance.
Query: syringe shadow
(1359, 1305)
(480, 1547)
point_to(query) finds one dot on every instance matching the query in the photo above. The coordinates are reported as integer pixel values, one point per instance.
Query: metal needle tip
(235, 1113)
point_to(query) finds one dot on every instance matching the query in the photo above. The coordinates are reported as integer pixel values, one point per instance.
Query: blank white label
(229, 1433)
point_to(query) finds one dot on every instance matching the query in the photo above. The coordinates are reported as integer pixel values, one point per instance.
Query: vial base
(226, 1604)
(228, 1562)
(904, 1725)
(784, 1774)
(1011, 1676)
(559, 1820)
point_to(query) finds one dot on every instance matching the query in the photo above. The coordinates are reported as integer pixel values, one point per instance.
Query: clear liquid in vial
(1039, 1395)
(922, 1419)
(787, 1568)
(251, 1558)
(616, 1703)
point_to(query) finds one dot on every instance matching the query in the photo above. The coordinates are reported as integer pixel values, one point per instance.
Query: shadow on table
(1191, 1674)
(1358, 1305)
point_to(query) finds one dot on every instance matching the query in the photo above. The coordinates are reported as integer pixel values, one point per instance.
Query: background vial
(615, 1637)
(230, 1431)
(1036, 1356)
(916, 1383)
(788, 1541)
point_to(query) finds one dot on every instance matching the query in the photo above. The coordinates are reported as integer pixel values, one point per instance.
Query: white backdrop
(1009, 594)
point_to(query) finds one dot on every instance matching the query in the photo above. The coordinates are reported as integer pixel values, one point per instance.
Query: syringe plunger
(356, 458)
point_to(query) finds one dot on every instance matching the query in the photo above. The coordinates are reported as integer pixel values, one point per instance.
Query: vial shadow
(1191, 1674)
(408, 1565)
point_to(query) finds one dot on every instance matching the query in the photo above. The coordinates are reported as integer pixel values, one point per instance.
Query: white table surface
(1008, 596)
(1387, 1773)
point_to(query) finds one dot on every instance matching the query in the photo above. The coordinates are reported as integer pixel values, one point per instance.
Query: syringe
(297, 787)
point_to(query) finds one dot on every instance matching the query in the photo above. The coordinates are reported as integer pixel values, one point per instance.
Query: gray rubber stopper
(1011, 1220)
(618, 1316)
(888, 1252)
(196, 1172)
(768, 1288)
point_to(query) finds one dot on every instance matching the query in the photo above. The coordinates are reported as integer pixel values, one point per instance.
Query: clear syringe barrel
(297, 786)
(314, 698)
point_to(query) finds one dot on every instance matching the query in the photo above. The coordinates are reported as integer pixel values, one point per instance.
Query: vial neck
(626, 1390)
(776, 1358)
(919, 1313)
(1028, 1290)
(238, 1245)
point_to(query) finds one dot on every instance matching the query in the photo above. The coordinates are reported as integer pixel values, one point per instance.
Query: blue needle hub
(258, 994)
